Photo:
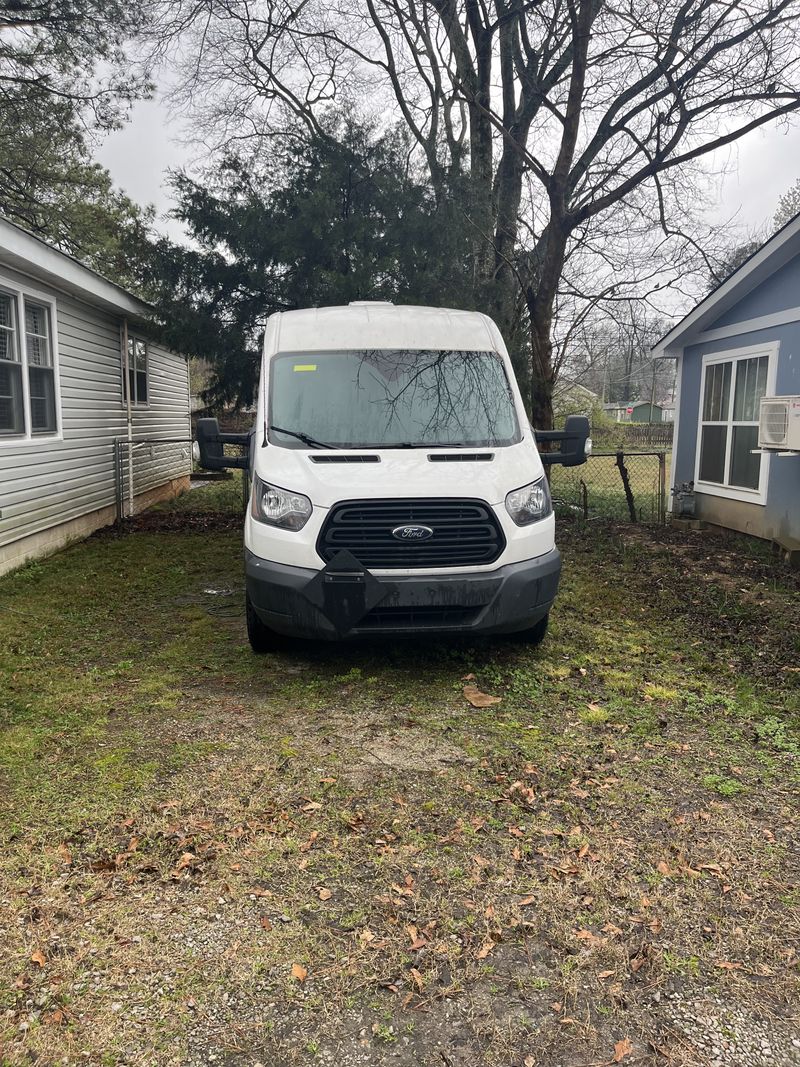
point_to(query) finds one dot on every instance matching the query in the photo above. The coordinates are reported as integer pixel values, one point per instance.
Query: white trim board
(762, 322)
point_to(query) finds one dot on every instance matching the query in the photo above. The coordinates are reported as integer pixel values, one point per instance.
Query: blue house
(739, 344)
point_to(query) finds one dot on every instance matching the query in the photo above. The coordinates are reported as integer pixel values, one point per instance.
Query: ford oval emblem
(412, 533)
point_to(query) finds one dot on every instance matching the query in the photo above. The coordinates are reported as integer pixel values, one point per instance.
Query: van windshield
(390, 398)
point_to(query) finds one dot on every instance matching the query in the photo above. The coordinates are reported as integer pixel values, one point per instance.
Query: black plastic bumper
(346, 600)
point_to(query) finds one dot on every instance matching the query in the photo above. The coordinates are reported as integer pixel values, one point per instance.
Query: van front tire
(534, 635)
(261, 638)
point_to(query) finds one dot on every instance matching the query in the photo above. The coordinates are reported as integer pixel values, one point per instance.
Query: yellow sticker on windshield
(305, 366)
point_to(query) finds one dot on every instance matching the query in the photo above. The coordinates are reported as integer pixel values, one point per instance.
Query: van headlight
(530, 503)
(279, 507)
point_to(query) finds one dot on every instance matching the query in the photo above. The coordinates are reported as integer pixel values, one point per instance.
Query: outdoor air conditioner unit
(779, 424)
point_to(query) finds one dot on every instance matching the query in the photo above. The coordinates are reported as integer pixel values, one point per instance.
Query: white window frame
(21, 293)
(735, 492)
(136, 404)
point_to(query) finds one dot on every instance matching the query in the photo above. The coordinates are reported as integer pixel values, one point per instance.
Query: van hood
(328, 477)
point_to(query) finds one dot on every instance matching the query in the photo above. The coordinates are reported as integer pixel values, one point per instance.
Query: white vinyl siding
(728, 460)
(45, 479)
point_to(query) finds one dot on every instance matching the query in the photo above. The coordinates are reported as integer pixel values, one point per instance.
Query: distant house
(67, 336)
(739, 344)
(637, 411)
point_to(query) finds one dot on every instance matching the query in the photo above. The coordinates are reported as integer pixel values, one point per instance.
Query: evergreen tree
(339, 216)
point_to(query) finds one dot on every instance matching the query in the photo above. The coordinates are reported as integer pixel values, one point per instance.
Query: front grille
(466, 533)
(400, 617)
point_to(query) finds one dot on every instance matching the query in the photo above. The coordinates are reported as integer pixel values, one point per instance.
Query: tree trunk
(545, 266)
(542, 376)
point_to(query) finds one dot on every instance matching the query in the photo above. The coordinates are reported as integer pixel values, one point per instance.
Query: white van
(395, 483)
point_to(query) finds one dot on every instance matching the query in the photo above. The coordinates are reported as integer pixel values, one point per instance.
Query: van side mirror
(576, 444)
(210, 447)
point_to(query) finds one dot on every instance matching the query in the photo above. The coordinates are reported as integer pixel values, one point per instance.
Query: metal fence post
(662, 488)
(118, 480)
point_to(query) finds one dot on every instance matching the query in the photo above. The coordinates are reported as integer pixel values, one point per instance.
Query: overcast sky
(760, 168)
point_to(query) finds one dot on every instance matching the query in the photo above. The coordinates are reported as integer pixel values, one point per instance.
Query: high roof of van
(365, 324)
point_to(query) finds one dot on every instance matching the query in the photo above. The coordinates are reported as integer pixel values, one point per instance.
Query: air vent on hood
(345, 459)
(461, 457)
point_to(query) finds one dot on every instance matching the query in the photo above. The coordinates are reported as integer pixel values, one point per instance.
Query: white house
(87, 399)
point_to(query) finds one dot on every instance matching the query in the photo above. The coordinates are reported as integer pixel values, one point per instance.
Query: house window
(137, 371)
(732, 388)
(12, 418)
(41, 373)
(27, 367)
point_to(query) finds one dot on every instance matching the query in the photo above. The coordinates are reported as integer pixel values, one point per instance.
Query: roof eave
(28, 254)
(759, 266)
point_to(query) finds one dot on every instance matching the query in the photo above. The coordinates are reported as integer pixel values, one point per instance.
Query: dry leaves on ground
(478, 699)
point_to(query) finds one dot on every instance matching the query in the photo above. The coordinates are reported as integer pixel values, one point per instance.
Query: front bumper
(345, 600)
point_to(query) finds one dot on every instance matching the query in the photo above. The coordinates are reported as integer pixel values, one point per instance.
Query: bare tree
(788, 206)
(594, 104)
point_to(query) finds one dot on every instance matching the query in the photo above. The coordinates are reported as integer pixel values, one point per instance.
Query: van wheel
(261, 638)
(535, 635)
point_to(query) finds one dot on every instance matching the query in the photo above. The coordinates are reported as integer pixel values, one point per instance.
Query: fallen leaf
(589, 937)
(325, 894)
(663, 868)
(265, 923)
(526, 901)
(605, 974)
(484, 950)
(417, 977)
(299, 972)
(186, 860)
(312, 805)
(39, 957)
(478, 699)
(57, 1017)
(622, 1049)
(65, 853)
(726, 966)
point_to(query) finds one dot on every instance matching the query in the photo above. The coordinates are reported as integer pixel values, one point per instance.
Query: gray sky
(758, 169)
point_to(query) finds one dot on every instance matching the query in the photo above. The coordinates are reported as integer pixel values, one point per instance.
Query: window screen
(732, 390)
(137, 370)
(11, 400)
(41, 375)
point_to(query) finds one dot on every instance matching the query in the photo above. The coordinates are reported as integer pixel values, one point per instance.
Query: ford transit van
(396, 486)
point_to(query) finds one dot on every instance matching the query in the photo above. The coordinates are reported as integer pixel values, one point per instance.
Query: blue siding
(778, 293)
(779, 518)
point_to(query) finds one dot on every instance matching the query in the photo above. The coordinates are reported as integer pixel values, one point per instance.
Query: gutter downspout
(126, 362)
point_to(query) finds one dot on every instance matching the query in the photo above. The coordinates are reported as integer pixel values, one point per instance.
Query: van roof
(382, 325)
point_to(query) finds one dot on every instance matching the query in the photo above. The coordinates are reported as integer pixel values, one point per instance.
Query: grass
(328, 852)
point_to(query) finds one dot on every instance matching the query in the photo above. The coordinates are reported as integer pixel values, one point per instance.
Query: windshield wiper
(304, 437)
(398, 444)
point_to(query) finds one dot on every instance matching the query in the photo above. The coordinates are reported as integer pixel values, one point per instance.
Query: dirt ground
(328, 856)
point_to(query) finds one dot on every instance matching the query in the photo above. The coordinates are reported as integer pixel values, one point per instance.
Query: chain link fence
(628, 486)
(146, 466)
